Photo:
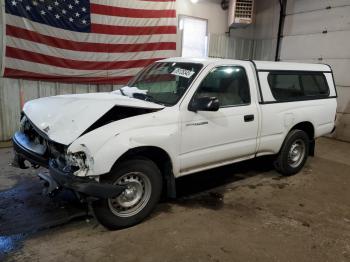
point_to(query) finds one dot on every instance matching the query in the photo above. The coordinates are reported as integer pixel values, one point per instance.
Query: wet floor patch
(10, 243)
(209, 200)
(25, 210)
(206, 189)
(221, 176)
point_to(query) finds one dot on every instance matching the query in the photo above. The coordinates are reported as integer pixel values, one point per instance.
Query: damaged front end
(67, 169)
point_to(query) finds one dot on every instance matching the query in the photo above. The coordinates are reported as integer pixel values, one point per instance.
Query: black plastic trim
(292, 71)
(248, 118)
(296, 100)
(282, 16)
(84, 185)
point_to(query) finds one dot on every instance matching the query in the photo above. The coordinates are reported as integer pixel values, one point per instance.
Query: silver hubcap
(296, 153)
(134, 198)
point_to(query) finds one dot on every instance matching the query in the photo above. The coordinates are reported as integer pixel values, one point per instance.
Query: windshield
(163, 82)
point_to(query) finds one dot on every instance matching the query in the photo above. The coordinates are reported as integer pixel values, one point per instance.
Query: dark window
(227, 83)
(287, 86)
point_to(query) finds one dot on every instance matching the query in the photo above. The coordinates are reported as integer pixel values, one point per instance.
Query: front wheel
(143, 182)
(293, 154)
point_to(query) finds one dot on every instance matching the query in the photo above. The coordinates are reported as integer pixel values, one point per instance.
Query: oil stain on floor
(24, 210)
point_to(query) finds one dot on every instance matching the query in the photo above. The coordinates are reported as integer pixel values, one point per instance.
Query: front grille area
(34, 134)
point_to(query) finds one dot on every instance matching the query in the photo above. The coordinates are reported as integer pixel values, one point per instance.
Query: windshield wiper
(122, 92)
(147, 98)
(143, 96)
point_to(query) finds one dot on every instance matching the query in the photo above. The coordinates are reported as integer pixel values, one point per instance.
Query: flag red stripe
(128, 12)
(86, 46)
(132, 30)
(14, 73)
(75, 64)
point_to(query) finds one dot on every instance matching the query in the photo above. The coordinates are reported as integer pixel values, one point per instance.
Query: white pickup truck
(178, 116)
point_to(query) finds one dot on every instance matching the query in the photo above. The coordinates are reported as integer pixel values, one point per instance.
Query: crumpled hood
(64, 118)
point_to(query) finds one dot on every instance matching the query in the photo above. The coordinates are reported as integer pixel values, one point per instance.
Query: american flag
(91, 41)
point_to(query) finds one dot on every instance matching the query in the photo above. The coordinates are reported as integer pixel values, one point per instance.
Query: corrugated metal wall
(14, 92)
(319, 32)
(223, 46)
(256, 41)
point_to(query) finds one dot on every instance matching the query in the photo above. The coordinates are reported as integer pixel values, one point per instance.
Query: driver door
(211, 138)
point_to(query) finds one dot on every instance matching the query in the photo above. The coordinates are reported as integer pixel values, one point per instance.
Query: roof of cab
(204, 61)
(260, 65)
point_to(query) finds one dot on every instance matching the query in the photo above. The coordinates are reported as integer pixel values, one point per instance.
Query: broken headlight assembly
(24, 124)
(78, 163)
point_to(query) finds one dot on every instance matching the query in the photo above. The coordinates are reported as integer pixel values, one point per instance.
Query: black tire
(284, 163)
(109, 212)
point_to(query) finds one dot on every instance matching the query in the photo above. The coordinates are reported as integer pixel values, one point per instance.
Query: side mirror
(204, 104)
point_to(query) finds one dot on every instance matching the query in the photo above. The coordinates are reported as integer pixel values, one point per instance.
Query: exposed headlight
(80, 161)
(80, 158)
(77, 159)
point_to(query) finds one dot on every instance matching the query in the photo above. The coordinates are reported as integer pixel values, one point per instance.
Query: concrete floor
(243, 212)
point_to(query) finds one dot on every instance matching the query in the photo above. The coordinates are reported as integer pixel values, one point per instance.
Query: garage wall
(263, 32)
(319, 32)
(256, 41)
(15, 92)
(2, 6)
(205, 9)
(223, 46)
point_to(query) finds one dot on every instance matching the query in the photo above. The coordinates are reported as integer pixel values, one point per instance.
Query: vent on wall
(240, 13)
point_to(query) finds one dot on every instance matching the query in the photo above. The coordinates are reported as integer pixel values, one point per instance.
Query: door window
(227, 83)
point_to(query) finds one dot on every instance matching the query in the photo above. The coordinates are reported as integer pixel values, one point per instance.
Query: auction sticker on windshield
(183, 72)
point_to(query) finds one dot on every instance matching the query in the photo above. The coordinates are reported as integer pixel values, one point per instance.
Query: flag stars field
(91, 41)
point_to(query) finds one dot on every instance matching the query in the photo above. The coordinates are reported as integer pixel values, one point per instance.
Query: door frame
(183, 107)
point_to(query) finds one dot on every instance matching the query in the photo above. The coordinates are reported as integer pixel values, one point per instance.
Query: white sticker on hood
(183, 72)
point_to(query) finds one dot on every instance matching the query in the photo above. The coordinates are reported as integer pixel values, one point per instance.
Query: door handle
(248, 118)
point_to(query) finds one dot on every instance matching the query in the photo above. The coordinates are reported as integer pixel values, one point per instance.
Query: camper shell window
(291, 86)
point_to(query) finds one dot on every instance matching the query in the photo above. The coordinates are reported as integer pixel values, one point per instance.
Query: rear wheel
(293, 154)
(143, 182)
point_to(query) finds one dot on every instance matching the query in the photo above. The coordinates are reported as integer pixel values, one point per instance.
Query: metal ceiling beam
(283, 6)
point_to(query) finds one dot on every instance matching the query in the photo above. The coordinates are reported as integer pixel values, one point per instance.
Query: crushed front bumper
(84, 185)
(24, 149)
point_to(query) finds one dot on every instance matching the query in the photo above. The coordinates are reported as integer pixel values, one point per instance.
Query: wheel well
(160, 158)
(307, 127)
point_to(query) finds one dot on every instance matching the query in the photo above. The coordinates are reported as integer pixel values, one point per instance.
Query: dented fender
(105, 145)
